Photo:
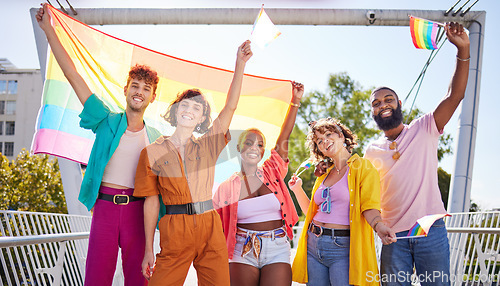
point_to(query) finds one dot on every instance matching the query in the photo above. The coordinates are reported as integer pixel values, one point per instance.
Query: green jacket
(108, 128)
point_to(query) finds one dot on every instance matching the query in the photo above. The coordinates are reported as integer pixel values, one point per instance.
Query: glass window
(1, 145)
(12, 86)
(2, 106)
(3, 86)
(10, 107)
(10, 127)
(9, 149)
(1, 127)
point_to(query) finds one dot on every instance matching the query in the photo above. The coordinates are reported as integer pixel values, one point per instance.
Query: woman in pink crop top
(256, 209)
(344, 201)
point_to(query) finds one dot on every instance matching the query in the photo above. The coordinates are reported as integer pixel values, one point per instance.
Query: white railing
(50, 249)
(42, 248)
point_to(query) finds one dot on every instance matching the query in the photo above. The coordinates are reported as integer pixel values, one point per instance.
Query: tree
(31, 183)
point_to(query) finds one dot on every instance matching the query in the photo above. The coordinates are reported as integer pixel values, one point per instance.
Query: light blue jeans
(327, 260)
(430, 255)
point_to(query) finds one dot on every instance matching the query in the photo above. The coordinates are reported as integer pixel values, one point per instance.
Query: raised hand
(297, 91)
(456, 35)
(244, 51)
(295, 183)
(43, 17)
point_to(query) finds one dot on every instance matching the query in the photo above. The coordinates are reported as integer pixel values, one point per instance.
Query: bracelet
(463, 60)
(295, 104)
(375, 225)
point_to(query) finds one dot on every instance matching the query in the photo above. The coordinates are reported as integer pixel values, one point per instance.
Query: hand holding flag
(422, 226)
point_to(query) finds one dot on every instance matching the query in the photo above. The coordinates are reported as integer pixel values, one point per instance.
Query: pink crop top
(259, 209)
(339, 197)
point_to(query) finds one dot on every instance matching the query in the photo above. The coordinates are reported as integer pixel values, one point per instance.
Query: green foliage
(444, 185)
(344, 100)
(31, 183)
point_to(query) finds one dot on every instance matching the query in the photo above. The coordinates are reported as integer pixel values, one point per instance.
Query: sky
(371, 55)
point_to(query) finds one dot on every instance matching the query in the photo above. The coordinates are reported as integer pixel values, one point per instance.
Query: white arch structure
(459, 199)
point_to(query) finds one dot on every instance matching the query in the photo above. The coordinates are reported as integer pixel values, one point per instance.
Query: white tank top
(121, 168)
(259, 209)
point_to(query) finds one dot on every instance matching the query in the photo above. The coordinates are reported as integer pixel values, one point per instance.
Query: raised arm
(287, 127)
(79, 86)
(456, 92)
(233, 95)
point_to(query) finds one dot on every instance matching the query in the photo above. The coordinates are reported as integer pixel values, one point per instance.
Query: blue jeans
(430, 255)
(327, 260)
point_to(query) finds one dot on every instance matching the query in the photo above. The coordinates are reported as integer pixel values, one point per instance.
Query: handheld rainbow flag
(422, 226)
(264, 31)
(306, 165)
(424, 33)
(104, 61)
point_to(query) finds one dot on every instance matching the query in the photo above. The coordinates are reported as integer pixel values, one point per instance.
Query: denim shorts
(273, 250)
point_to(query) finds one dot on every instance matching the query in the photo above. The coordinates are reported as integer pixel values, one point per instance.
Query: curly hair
(143, 72)
(193, 94)
(328, 124)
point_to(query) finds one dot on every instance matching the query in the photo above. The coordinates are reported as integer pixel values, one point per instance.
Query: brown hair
(143, 72)
(328, 124)
(193, 94)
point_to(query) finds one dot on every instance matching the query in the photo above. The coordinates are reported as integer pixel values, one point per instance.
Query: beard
(390, 122)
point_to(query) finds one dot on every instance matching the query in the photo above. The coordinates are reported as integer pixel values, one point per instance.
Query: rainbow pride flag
(423, 225)
(104, 61)
(424, 33)
(306, 165)
(264, 31)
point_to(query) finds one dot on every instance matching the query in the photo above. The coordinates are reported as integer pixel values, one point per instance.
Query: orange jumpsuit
(186, 238)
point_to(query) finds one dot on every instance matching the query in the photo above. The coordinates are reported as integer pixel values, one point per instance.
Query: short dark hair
(193, 94)
(144, 72)
(384, 87)
(328, 124)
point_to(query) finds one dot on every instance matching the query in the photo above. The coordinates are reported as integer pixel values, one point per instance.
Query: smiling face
(251, 148)
(189, 113)
(138, 95)
(386, 109)
(329, 143)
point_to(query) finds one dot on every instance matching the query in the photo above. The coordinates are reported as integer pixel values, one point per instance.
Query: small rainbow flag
(264, 31)
(306, 165)
(424, 33)
(422, 226)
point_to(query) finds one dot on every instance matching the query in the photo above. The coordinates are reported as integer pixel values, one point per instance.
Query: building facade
(20, 96)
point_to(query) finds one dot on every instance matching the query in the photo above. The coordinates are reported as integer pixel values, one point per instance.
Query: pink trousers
(116, 226)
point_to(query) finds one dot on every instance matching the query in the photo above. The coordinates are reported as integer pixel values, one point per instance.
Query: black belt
(319, 231)
(190, 208)
(118, 199)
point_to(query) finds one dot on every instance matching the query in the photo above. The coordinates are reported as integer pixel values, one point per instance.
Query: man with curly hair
(108, 185)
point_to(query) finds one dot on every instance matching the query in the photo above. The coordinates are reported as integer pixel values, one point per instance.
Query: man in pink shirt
(406, 158)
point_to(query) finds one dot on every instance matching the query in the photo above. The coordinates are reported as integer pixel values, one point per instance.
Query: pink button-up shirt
(271, 174)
